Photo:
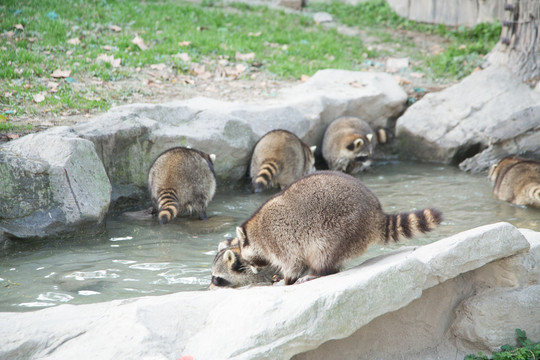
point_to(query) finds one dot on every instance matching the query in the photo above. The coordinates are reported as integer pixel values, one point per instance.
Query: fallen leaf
(235, 71)
(10, 34)
(184, 57)
(107, 47)
(109, 59)
(198, 69)
(139, 42)
(74, 41)
(356, 84)
(248, 56)
(304, 78)
(19, 27)
(53, 86)
(13, 137)
(59, 73)
(184, 43)
(258, 33)
(32, 39)
(8, 94)
(159, 67)
(115, 28)
(38, 98)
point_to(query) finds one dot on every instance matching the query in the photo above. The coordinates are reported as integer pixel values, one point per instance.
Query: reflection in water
(137, 256)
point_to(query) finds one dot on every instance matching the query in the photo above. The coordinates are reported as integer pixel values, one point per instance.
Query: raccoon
(181, 180)
(349, 143)
(279, 158)
(516, 180)
(318, 222)
(230, 270)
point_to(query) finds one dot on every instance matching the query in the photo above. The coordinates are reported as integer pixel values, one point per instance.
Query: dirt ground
(234, 81)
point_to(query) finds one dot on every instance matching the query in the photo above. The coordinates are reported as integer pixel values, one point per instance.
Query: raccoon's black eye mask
(219, 281)
(361, 158)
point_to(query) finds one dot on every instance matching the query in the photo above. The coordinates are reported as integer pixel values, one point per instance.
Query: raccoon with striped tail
(279, 158)
(320, 221)
(349, 144)
(181, 180)
(516, 180)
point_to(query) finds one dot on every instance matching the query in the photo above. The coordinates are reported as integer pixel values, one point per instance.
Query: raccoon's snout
(219, 281)
(362, 158)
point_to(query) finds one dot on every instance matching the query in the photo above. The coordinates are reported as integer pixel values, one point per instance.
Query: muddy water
(140, 257)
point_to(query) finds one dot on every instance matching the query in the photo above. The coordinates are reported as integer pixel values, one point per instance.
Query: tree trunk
(519, 46)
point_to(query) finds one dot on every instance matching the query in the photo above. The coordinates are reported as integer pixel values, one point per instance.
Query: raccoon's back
(278, 159)
(518, 182)
(181, 179)
(323, 205)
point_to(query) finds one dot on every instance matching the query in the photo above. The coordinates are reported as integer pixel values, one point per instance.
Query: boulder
(519, 134)
(275, 322)
(129, 138)
(461, 121)
(52, 185)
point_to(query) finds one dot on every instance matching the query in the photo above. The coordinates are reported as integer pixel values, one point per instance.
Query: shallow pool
(141, 257)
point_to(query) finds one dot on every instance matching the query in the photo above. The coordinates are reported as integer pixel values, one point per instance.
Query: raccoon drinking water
(181, 180)
(516, 180)
(279, 158)
(230, 270)
(320, 221)
(349, 144)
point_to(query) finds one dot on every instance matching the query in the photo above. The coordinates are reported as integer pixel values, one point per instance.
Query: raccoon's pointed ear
(223, 245)
(241, 236)
(369, 137)
(229, 258)
(213, 158)
(313, 148)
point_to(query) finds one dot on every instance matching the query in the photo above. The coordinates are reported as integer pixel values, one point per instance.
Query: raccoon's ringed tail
(168, 206)
(265, 175)
(408, 224)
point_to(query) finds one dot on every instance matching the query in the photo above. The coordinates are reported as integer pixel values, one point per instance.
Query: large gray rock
(519, 134)
(268, 322)
(52, 185)
(129, 138)
(458, 122)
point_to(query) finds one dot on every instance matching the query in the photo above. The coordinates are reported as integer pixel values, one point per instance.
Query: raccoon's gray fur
(516, 180)
(181, 180)
(230, 270)
(320, 221)
(279, 158)
(349, 143)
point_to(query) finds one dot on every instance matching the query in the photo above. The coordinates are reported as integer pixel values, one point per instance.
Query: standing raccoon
(230, 270)
(181, 180)
(516, 180)
(320, 221)
(279, 158)
(349, 144)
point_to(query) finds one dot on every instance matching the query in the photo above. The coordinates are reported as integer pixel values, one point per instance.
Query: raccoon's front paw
(306, 279)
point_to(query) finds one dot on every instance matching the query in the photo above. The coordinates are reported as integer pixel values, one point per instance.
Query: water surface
(137, 258)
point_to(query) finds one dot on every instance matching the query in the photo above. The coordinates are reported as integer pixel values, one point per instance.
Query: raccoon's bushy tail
(265, 176)
(168, 205)
(411, 223)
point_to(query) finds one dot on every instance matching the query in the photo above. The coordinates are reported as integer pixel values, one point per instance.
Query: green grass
(289, 44)
(526, 350)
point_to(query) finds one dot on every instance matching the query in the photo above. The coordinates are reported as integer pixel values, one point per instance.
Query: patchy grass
(96, 43)
(463, 48)
(526, 350)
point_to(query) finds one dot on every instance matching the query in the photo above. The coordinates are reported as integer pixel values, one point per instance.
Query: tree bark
(519, 46)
